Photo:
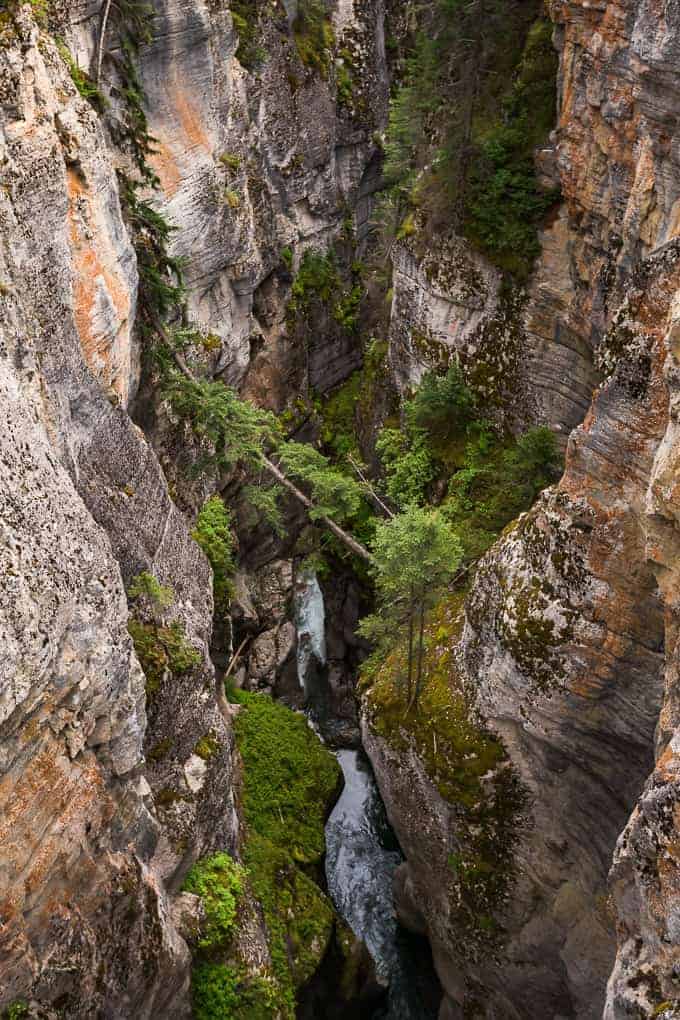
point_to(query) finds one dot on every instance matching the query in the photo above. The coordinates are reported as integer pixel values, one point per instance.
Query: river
(361, 857)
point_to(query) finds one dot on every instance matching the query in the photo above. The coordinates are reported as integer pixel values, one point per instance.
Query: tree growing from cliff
(415, 556)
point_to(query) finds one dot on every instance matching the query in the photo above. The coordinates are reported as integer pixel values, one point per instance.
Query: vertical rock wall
(96, 839)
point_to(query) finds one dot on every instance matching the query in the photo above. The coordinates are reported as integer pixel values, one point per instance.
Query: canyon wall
(98, 837)
(567, 646)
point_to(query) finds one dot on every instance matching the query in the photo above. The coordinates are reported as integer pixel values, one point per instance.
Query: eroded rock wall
(98, 837)
(568, 650)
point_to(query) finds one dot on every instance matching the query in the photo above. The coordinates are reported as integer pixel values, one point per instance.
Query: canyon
(534, 805)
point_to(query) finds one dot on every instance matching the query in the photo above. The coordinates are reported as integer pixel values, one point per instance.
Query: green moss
(465, 761)
(345, 86)
(16, 1010)
(533, 639)
(289, 783)
(219, 881)
(207, 746)
(319, 282)
(232, 198)
(147, 586)
(166, 797)
(160, 750)
(214, 535)
(289, 777)
(338, 415)
(160, 649)
(298, 916)
(222, 992)
(670, 1006)
(230, 160)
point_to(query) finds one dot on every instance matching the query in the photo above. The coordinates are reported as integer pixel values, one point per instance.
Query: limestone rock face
(568, 652)
(108, 796)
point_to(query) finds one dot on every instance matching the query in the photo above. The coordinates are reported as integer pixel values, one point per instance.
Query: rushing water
(360, 862)
(362, 853)
(310, 622)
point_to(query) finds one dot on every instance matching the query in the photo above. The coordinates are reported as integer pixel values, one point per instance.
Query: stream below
(362, 852)
(361, 857)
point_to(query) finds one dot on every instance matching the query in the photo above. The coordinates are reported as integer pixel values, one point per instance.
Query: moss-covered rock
(466, 764)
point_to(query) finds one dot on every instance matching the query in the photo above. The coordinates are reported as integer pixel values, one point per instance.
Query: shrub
(442, 405)
(145, 585)
(219, 881)
(314, 37)
(160, 649)
(81, 79)
(213, 534)
(245, 16)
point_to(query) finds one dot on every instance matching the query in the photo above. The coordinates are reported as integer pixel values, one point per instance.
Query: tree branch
(343, 536)
(102, 33)
(270, 467)
(364, 479)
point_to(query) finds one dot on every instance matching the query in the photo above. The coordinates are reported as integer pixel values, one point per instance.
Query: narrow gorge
(339, 509)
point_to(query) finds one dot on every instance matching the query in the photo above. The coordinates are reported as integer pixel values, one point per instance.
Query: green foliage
(16, 1010)
(318, 277)
(319, 281)
(245, 15)
(160, 649)
(415, 555)
(408, 463)
(504, 204)
(264, 500)
(81, 79)
(289, 782)
(338, 422)
(441, 409)
(219, 881)
(287, 257)
(289, 776)
(418, 96)
(232, 198)
(230, 160)
(234, 429)
(131, 21)
(442, 404)
(345, 86)
(460, 145)
(334, 494)
(222, 992)
(213, 534)
(145, 585)
(498, 480)
(161, 290)
(313, 31)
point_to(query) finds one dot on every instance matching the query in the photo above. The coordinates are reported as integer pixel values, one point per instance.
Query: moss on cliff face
(289, 784)
(466, 763)
(289, 778)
